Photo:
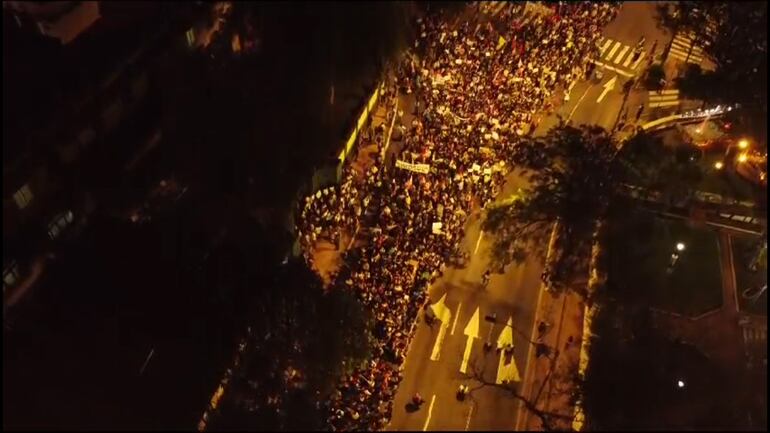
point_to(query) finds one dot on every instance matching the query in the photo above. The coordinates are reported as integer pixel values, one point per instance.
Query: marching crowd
(478, 89)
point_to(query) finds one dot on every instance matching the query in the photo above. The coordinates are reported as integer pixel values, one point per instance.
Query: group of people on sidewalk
(478, 99)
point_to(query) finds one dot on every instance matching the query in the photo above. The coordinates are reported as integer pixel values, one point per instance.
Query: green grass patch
(639, 254)
(746, 252)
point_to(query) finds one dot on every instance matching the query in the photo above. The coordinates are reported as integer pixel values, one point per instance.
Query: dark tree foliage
(631, 381)
(573, 179)
(297, 327)
(734, 36)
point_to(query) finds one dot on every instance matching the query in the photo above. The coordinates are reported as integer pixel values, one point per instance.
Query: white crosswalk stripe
(681, 46)
(664, 98)
(621, 54)
(619, 57)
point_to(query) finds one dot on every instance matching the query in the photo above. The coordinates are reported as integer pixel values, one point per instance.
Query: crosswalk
(619, 57)
(754, 335)
(680, 47)
(663, 98)
(493, 8)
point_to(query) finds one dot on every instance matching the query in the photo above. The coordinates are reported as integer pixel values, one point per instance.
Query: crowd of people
(479, 89)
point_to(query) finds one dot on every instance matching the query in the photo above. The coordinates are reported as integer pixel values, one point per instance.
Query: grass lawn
(744, 250)
(640, 251)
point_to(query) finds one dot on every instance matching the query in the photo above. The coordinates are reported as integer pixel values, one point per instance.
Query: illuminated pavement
(512, 295)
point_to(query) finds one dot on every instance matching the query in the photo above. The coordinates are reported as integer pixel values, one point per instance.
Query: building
(80, 117)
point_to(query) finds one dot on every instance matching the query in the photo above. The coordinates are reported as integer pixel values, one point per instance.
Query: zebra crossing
(494, 7)
(754, 335)
(619, 57)
(662, 98)
(680, 46)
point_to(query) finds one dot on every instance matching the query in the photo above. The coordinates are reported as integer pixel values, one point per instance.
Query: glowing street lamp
(680, 383)
(743, 157)
(680, 246)
(718, 165)
(743, 143)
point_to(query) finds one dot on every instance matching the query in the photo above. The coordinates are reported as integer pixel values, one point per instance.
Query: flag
(500, 42)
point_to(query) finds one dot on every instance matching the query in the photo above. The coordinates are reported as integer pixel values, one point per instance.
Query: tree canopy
(572, 179)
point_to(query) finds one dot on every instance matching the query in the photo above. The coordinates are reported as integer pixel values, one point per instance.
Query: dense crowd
(478, 91)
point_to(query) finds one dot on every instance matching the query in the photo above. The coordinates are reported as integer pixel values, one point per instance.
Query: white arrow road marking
(430, 412)
(506, 372)
(444, 314)
(609, 85)
(472, 331)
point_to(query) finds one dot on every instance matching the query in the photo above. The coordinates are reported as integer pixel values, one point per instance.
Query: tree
(632, 379)
(734, 37)
(304, 339)
(572, 180)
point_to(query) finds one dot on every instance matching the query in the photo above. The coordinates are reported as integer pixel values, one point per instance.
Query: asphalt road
(510, 295)
(514, 294)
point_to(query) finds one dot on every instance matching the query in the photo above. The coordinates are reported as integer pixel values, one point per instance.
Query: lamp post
(680, 247)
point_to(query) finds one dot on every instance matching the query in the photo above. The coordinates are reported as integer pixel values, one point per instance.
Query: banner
(417, 168)
(500, 42)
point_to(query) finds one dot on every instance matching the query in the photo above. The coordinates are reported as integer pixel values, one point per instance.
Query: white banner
(417, 168)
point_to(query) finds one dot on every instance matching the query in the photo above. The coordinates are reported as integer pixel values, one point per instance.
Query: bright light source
(743, 143)
(718, 165)
(743, 157)
(680, 383)
(680, 246)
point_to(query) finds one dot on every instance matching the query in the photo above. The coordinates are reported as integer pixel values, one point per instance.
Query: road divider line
(457, 316)
(430, 412)
(470, 414)
(578, 102)
(478, 242)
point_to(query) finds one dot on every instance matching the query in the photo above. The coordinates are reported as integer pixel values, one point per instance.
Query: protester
(477, 97)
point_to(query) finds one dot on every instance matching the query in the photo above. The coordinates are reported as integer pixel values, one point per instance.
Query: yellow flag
(500, 42)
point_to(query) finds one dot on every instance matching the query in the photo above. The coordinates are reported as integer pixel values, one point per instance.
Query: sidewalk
(549, 382)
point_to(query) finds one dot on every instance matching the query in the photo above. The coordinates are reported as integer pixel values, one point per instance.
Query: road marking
(609, 85)
(606, 45)
(435, 354)
(478, 242)
(457, 316)
(639, 60)
(664, 98)
(613, 69)
(430, 412)
(628, 60)
(468, 421)
(578, 102)
(506, 372)
(444, 314)
(612, 51)
(146, 361)
(472, 331)
(620, 55)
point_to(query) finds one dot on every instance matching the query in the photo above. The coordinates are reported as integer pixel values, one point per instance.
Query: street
(435, 358)
(512, 295)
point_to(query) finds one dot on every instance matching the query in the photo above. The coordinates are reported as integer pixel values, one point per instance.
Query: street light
(743, 157)
(680, 383)
(718, 165)
(743, 143)
(680, 246)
